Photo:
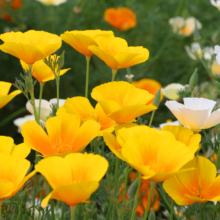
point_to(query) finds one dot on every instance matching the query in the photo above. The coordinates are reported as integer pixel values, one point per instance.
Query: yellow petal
(5, 99)
(4, 88)
(21, 151)
(5, 189)
(6, 144)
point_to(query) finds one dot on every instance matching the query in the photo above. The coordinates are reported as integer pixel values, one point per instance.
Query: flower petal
(213, 120)
(5, 99)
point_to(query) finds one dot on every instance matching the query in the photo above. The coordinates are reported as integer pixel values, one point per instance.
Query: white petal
(169, 123)
(213, 120)
(216, 49)
(54, 101)
(170, 91)
(218, 58)
(194, 119)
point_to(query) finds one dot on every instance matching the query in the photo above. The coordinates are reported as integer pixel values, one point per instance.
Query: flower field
(109, 110)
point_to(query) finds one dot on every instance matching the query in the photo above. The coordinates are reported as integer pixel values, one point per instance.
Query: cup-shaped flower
(215, 68)
(65, 134)
(116, 53)
(196, 113)
(157, 155)
(52, 2)
(73, 178)
(42, 72)
(197, 185)
(7, 146)
(80, 40)
(12, 175)
(216, 3)
(30, 46)
(45, 107)
(120, 18)
(122, 101)
(82, 107)
(150, 85)
(5, 98)
(170, 91)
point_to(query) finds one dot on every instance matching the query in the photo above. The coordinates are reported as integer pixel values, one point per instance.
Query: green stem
(152, 117)
(152, 185)
(172, 209)
(113, 74)
(72, 212)
(218, 159)
(40, 97)
(63, 211)
(1, 201)
(12, 116)
(52, 209)
(125, 183)
(87, 76)
(215, 210)
(136, 197)
(34, 107)
(58, 92)
(200, 211)
(103, 147)
(129, 73)
(96, 145)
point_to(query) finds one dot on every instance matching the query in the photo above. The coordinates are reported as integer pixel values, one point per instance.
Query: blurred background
(168, 61)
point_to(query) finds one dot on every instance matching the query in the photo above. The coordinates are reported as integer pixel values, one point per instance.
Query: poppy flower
(52, 2)
(120, 18)
(197, 185)
(122, 101)
(30, 46)
(171, 90)
(5, 98)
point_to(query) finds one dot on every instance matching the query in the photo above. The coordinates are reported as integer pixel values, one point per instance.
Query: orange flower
(65, 134)
(73, 178)
(121, 18)
(5, 98)
(82, 107)
(30, 46)
(122, 101)
(150, 85)
(80, 40)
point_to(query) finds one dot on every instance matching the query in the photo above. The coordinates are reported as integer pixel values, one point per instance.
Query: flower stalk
(72, 212)
(87, 76)
(1, 202)
(172, 209)
(125, 183)
(113, 74)
(200, 211)
(40, 98)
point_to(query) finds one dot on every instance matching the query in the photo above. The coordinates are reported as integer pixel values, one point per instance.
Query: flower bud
(60, 61)
(193, 80)
(152, 215)
(133, 188)
(156, 101)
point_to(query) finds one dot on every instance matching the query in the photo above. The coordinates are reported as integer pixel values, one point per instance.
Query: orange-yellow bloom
(41, 71)
(30, 46)
(197, 185)
(73, 178)
(116, 53)
(12, 175)
(122, 101)
(5, 98)
(82, 107)
(65, 134)
(80, 40)
(150, 85)
(7, 146)
(157, 155)
(121, 18)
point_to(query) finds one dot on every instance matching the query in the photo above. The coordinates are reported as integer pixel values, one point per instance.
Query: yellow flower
(4, 96)
(7, 146)
(73, 178)
(171, 90)
(65, 134)
(42, 72)
(215, 68)
(80, 40)
(52, 2)
(197, 185)
(120, 18)
(157, 155)
(150, 85)
(82, 107)
(12, 176)
(122, 101)
(30, 46)
(114, 51)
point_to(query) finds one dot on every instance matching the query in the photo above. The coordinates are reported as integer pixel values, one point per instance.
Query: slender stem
(63, 211)
(152, 117)
(136, 196)
(218, 159)
(200, 211)
(40, 97)
(152, 185)
(1, 201)
(103, 147)
(87, 76)
(96, 145)
(113, 74)
(58, 92)
(72, 212)
(129, 74)
(125, 183)
(12, 116)
(172, 209)
(215, 210)
(52, 209)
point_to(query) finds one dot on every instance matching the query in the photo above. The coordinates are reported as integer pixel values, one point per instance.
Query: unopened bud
(157, 97)
(152, 215)
(60, 61)
(196, 33)
(193, 80)
(133, 188)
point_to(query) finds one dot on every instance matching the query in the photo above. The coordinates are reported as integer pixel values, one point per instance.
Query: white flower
(216, 3)
(217, 52)
(207, 53)
(184, 27)
(20, 121)
(170, 91)
(196, 113)
(45, 107)
(52, 2)
(169, 123)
